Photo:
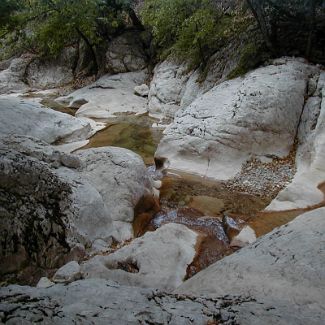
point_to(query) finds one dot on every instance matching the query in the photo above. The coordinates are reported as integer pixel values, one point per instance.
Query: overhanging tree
(47, 26)
(292, 20)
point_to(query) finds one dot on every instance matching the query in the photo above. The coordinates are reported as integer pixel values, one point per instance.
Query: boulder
(12, 77)
(232, 227)
(158, 259)
(142, 90)
(44, 283)
(5, 64)
(175, 85)
(120, 176)
(46, 209)
(100, 246)
(52, 73)
(126, 53)
(284, 267)
(24, 117)
(245, 237)
(257, 115)
(67, 273)
(307, 187)
(59, 207)
(19, 75)
(167, 88)
(108, 96)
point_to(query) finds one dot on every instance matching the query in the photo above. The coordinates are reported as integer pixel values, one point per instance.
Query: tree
(47, 26)
(165, 18)
(190, 29)
(296, 21)
(7, 10)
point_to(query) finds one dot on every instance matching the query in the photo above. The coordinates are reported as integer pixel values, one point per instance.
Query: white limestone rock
(125, 53)
(142, 90)
(305, 189)
(100, 246)
(67, 273)
(24, 117)
(120, 176)
(93, 199)
(47, 212)
(158, 259)
(254, 115)
(108, 96)
(11, 78)
(166, 89)
(245, 237)
(44, 283)
(285, 266)
(44, 74)
(98, 301)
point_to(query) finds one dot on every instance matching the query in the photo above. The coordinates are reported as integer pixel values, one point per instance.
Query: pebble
(263, 179)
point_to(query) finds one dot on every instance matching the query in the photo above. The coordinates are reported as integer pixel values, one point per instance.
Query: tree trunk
(90, 46)
(201, 48)
(135, 20)
(256, 9)
(312, 19)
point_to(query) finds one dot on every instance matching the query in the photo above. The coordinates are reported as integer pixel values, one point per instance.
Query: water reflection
(133, 133)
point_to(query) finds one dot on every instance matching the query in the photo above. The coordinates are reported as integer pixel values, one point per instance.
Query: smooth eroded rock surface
(120, 176)
(166, 89)
(46, 208)
(68, 273)
(108, 96)
(257, 115)
(24, 117)
(159, 259)
(307, 187)
(286, 266)
(52, 201)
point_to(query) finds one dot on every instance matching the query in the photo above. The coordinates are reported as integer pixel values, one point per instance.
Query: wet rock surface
(212, 243)
(216, 213)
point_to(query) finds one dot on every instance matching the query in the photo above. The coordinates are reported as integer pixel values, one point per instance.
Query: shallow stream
(206, 206)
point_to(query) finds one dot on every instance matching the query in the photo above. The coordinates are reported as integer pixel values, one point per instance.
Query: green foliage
(206, 31)
(8, 8)
(251, 55)
(190, 29)
(166, 17)
(46, 26)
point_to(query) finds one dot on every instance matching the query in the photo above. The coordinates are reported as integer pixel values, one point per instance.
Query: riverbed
(214, 210)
